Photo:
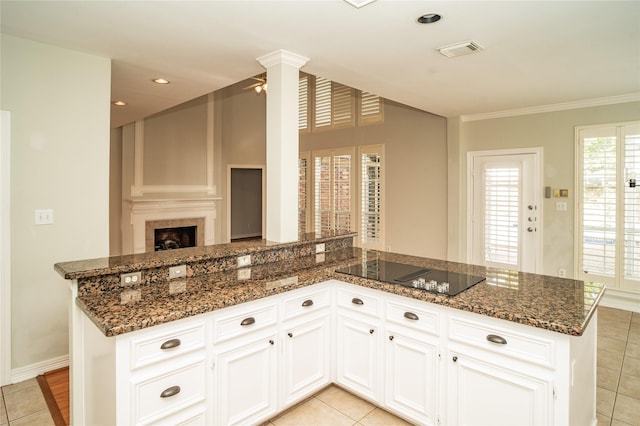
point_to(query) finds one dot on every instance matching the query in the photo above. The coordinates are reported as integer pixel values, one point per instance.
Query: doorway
(246, 202)
(505, 224)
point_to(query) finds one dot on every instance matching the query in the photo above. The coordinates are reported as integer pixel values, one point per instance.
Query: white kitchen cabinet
(306, 337)
(483, 391)
(413, 364)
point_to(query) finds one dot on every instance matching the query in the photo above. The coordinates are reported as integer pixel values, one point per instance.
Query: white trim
(538, 170)
(611, 100)
(620, 299)
(264, 197)
(5, 247)
(30, 371)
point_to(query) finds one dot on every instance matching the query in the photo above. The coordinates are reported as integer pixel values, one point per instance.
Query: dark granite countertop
(556, 304)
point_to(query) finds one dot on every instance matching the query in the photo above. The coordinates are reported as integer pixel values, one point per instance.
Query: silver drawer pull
(357, 301)
(493, 338)
(411, 316)
(169, 344)
(169, 392)
(248, 321)
(307, 302)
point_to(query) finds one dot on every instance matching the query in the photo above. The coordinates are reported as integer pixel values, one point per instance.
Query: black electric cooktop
(434, 280)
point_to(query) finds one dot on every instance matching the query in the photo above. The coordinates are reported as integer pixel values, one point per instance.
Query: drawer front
(414, 317)
(358, 301)
(241, 322)
(502, 340)
(306, 303)
(168, 344)
(169, 393)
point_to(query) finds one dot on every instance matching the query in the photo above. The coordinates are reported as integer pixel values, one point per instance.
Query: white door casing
(5, 249)
(505, 209)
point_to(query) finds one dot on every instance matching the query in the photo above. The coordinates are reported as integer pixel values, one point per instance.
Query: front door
(506, 210)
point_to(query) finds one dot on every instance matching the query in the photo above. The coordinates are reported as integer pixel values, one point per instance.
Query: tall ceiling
(535, 52)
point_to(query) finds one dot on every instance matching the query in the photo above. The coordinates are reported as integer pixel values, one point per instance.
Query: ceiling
(535, 52)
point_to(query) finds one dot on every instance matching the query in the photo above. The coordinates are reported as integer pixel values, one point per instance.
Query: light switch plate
(179, 271)
(244, 260)
(320, 248)
(561, 206)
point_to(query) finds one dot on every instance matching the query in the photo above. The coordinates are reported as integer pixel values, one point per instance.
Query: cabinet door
(246, 381)
(482, 392)
(307, 349)
(357, 355)
(412, 376)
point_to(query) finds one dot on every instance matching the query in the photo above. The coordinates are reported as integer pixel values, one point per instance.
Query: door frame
(538, 173)
(5, 248)
(262, 167)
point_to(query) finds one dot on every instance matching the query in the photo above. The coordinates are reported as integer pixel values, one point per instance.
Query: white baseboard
(30, 371)
(619, 299)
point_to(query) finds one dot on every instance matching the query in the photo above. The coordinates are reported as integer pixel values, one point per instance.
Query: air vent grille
(460, 49)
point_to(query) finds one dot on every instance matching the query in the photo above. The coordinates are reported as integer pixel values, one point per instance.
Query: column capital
(282, 57)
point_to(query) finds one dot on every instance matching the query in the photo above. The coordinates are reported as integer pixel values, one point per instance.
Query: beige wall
(59, 104)
(554, 131)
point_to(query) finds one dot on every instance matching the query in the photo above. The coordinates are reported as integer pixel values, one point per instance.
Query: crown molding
(631, 97)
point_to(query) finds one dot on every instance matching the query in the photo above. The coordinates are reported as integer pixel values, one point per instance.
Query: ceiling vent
(359, 3)
(460, 49)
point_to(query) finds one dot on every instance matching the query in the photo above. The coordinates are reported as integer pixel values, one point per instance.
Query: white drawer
(193, 416)
(166, 344)
(308, 301)
(169, 393)
(503, 340)
(358, 301)
(240, 322)
(414, 317)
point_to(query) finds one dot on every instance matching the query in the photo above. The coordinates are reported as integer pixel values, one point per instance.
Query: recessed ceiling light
(120, 103)
(429, 18)
(161, 81)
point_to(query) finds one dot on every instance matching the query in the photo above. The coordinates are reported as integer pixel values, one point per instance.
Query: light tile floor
(618, 392)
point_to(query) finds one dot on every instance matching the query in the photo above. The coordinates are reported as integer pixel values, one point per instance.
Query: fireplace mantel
(147, 209)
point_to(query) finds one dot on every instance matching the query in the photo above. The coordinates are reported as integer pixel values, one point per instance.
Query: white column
(282, 144)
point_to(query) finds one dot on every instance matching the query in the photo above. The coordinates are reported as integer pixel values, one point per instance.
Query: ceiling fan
(260, 85)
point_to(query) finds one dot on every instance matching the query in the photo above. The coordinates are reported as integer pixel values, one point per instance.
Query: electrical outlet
(130, 296)
(179, 271)
(562, 273)
(244, 274)
(320, 248)
(130, 279)
(320, 257)
(561, 206)
(44, 217)
(244, 260)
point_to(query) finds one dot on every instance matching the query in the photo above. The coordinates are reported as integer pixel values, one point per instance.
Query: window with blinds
(501, 206)
(371, 233)
(609, 204)
(370, 109)
(303, 167)
(334, 104)
(303, 102)
(333, 182)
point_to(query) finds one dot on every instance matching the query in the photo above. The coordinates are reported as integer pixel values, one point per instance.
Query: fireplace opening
(174, 238)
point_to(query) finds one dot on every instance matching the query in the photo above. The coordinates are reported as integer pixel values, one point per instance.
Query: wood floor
(55, 388)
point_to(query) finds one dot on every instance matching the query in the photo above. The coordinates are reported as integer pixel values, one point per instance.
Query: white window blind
(371, 110)
(303, 102)
(609, 203)
(334, 104)
(501, 204)
(332, 192)
(371, 198)
(303, 167)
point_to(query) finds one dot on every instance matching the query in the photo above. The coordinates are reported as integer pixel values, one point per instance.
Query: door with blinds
(505, 228)
(608, 214)
(333, 182)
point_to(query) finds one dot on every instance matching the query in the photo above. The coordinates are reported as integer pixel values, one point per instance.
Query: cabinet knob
(307, 302)
(290, 334)
(371, 331)
(411, 316)
(271, 342)
(494, 338)
(169, 392)
(248, 321)
(390, 337)
(357, 301)
(455, 358)
(169, 344)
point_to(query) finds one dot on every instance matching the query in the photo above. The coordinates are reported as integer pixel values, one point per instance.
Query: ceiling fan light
(258, 89)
